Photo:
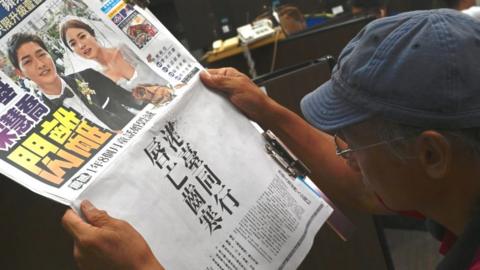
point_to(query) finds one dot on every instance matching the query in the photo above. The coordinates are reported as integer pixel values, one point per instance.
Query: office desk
(215, 56)
(328, 39)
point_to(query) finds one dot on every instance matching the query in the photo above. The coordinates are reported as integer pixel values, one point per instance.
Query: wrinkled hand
(107, 243)
(241, 91)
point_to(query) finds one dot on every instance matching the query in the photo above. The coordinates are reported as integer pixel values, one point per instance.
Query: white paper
(276, 219)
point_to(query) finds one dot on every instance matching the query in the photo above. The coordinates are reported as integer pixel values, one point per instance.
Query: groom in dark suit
(88, 92)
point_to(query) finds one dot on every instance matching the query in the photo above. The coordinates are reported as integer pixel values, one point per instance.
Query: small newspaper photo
(99, 101)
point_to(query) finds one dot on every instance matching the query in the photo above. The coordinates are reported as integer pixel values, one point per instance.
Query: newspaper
(99, 101)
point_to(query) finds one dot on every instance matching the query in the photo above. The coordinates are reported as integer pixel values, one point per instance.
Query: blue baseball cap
(417, 68)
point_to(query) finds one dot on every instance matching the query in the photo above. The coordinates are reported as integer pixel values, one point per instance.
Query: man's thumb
(74, 224)
(94, 216)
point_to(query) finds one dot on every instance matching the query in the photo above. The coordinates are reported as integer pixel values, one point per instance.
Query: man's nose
(38, 63)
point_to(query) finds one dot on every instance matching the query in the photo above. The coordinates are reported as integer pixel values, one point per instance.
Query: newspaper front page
(99, 101)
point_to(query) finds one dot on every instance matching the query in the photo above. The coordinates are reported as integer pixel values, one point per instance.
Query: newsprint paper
(99, 101)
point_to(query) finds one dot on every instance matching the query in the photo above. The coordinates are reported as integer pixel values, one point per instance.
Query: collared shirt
(447, 243)
(447, 240)
(78, 105)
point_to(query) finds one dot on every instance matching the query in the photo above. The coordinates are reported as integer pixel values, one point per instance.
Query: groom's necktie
(67, 93)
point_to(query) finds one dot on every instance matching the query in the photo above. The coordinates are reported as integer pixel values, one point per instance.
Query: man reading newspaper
(403, 102)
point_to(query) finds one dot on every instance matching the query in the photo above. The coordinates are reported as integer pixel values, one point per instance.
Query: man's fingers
(211, 80)
(220, 81)
(73, 224)
(230, 72)
(94, 216)
(215, 71)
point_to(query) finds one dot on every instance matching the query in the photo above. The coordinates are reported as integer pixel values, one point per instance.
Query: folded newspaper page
(99, 101)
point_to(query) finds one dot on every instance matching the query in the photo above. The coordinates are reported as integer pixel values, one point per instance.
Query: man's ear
(383, 12)
(19, 73)
(434, 153)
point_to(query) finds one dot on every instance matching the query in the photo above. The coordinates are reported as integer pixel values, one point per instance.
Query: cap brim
(328, 111)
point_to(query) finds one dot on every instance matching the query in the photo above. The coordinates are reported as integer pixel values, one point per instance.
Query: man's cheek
(366, 182)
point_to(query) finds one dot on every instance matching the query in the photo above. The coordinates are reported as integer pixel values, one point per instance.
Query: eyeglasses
(342, 149)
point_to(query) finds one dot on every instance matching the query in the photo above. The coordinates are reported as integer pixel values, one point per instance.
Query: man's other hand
(107, 243)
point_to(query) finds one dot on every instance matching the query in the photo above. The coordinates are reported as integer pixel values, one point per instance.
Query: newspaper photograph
(73, 78)
(99, 101)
